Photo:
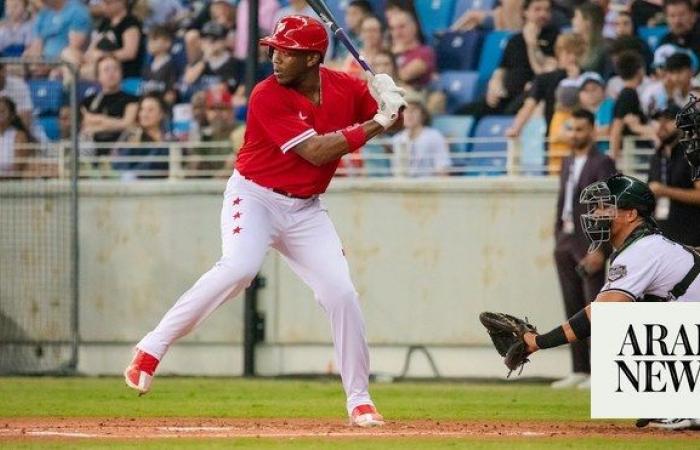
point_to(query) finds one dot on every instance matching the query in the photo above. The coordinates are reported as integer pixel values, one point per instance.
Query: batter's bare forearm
(320, 150)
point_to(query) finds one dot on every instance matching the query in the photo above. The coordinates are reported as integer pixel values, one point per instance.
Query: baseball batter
(301, 120)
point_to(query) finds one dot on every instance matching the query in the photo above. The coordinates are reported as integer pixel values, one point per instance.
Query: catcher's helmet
(602, 200)
(298, 33)
(688, 122)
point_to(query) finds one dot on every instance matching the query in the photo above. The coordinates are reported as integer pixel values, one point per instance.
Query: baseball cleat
(139, 374)
(667, 424)
(366, 416)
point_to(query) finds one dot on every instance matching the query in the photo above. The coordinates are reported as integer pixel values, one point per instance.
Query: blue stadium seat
(434, 15)
(492, 127)
(458, 50)
(47, 96)
(467, 5)
(455, 127)
(50, 126)
(491, 53)
(132, 85)
(459, 87)
(652, 35)
(532, 158)
(86, 89)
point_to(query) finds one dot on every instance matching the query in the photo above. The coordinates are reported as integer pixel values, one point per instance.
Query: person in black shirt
(118, 34)
(627, 109)
(683, 27)
(161, 75)
(570, 48)
(108, 113)
(670, 179)
(216, 66)
(527, 54)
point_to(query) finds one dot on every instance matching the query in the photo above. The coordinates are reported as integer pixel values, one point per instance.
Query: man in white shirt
(419, 150)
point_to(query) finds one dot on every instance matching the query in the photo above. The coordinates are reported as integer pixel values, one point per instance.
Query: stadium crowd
(158, 71)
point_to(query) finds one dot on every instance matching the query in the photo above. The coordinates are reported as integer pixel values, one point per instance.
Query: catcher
(646, 266)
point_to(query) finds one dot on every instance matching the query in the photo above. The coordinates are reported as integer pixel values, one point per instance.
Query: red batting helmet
(298, 33)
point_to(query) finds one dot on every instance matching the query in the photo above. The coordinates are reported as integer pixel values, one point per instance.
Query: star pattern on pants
(237, 230)
(237, 215)
(237, 201)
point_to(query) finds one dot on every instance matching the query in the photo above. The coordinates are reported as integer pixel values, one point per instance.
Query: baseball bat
(327, 17)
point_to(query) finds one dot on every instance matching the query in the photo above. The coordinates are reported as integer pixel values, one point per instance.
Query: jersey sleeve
(278, 120)
(631, 273)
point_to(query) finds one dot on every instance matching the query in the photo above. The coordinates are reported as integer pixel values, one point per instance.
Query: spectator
(588, 21)
(118, 34)
(416, 61)
(570, 48)
(626, 38)
(17, 90)
(161, 75)
(14, 137)
(17, 29)
(683, 28)
(566, 102)
(527, 54)
(355, 14)
(301, 8)
(217, 64)
(581, 274)
(61, 26)
(372, 42)
(221, 128)
(420, 149)
(500, 17)
(591, 97)
(670, 178)
(199, 116)
(673, 85)
(222, 12)
(149, 131)
(106, 114)
(630, 67)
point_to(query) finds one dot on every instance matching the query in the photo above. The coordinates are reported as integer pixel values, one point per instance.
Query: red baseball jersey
(280, 118)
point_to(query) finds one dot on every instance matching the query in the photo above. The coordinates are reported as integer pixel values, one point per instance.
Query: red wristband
(355, 135)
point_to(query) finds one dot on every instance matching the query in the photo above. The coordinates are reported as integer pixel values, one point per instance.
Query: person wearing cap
(671, 179)
(420, 149)
(220, 128)
(301, 121)
(674, 72)
(591, 96)
(222, 12)
(217, 64)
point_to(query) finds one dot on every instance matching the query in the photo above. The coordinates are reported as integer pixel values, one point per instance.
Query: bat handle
(345, 39)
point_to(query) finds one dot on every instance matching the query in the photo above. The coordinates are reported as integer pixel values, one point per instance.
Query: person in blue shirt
(60, 24)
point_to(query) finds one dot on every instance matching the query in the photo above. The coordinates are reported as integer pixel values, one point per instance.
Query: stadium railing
(490, 157)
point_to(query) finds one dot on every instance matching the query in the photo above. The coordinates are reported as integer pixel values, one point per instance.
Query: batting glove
(390, 104)
(382, 83)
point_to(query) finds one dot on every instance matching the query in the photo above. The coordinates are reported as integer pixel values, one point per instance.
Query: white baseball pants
(253, 219)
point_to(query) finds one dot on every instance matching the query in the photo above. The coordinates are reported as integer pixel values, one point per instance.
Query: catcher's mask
(602, 200)
(601, 209)
(688, 122)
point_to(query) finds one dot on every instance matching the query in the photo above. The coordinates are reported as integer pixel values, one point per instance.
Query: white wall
(426, 255)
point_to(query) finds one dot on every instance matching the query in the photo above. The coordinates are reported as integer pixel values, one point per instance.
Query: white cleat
(668, 424)
(366, 416)
(570, 381)
(139, 374)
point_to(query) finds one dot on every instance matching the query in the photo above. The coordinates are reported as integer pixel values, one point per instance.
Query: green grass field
(323, 400)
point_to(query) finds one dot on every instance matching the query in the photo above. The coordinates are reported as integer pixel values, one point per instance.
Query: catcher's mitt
(507, 332)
